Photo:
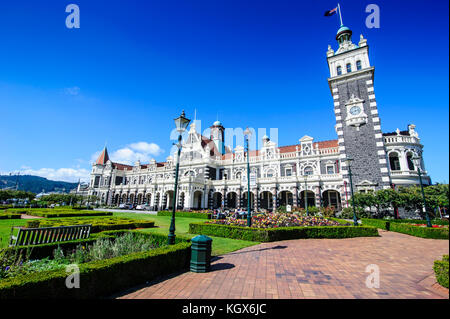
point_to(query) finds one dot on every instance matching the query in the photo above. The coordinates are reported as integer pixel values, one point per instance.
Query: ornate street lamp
(181, 123)
(417, 159)
(305, 177)
(348, 162)
(247, 135)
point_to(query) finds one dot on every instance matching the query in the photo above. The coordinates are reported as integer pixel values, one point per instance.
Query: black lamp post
(181, 124)
(306, 194)
(248, 134)
(348, 161)
(417, 161)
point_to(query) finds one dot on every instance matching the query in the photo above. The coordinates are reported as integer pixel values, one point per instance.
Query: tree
(13, 194)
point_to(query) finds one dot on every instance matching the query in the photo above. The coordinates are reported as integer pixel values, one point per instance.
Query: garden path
(312, 268)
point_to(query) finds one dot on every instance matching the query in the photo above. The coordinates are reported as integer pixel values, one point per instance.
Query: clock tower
(357, 122)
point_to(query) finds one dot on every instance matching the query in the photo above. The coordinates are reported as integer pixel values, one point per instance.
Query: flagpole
(340, 16)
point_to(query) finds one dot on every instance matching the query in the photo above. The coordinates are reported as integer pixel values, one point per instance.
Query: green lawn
(220, 245)
(5, 229)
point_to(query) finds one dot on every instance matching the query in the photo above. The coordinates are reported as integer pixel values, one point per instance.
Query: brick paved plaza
(312, 268)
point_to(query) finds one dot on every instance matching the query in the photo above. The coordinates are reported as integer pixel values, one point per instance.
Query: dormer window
(339, 70)
(358, 65)
(349, 68)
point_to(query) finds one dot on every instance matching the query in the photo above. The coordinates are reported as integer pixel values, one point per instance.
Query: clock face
(355, 110)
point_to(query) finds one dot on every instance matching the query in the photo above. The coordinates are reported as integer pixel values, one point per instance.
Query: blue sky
(133, 65)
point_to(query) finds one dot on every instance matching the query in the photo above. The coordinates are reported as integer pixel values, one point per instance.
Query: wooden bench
(47, 235)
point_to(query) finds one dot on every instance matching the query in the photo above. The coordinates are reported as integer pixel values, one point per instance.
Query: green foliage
(409, 198)
(281, 233)
(101, 278)
(7, 215)
(347, 213)
(185, 214)
(417, 231)
(313, 210)
(10, 194)
(441, 271)
(328, 212)
(52, 213)
(61, 198)
(99, 223)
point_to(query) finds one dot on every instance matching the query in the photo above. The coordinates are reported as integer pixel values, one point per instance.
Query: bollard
(201, 253)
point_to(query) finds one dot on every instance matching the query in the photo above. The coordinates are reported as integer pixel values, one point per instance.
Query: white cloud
(72, 91)
(129, 154)
(59, 174)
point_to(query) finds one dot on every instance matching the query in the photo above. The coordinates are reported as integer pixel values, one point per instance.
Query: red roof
(103, 158)
(327, 144)
(122, 167)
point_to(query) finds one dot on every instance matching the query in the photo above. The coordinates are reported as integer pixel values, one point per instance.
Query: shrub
(281, 233)
(185, 214)
(417, 231)
(9, 216)
(98, 224)
(100, 278)
(441, 271)
(347, 213)
(327, 211)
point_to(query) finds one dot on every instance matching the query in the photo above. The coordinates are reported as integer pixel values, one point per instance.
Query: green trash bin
(201, 253)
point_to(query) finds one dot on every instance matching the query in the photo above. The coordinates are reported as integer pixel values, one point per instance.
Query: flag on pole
(329, 13)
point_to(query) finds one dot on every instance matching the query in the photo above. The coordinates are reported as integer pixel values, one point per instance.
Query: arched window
(339, 70)
(394, 161)
(409, 157)
(308, 170)
(358, 65)
(270, 173)
(349, 68)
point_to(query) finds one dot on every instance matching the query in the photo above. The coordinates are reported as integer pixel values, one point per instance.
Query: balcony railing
(401, 139)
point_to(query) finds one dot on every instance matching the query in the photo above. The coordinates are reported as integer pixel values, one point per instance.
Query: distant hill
(34, 184)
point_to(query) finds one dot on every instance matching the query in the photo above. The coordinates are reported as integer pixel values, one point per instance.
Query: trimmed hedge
(420, 221)
(69, 214)
(98, 224)
(423, 232)
(9, 216)
(100, 278)
(46, 250)
(441, 271)
(185, 214)
(281, 233)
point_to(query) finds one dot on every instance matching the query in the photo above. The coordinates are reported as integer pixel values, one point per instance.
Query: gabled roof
(103, 158)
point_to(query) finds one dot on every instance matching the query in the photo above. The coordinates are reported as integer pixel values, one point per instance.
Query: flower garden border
(281, 233)
(101, 278)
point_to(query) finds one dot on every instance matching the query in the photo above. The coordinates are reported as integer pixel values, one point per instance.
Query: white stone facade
(213, 176)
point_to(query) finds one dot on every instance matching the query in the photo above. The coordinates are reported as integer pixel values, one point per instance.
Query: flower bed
(98, 224)
(192, 214)
(102, 277)
(267, 220)
(433, 226)
(280, 233)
